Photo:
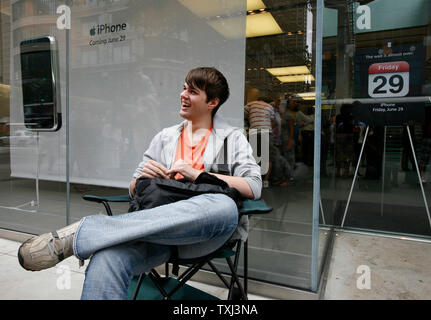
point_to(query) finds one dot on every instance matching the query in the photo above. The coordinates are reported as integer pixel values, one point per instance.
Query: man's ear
(213, 103)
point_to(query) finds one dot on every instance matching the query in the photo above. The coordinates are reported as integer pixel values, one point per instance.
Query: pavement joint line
(71, 270)
(281, 220)
(10, 253)
(279, 251)
(283, 232)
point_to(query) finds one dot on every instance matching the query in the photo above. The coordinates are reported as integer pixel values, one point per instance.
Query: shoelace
(64, 241)
(53, 249)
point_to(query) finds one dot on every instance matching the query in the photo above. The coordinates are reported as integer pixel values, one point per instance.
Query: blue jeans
(126, 245)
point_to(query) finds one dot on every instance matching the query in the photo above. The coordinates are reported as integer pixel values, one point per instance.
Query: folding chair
(153, 286)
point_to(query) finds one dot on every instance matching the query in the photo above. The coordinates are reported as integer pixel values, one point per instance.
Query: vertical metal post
(67, 129)
(37, 168)
(419, 176)
(355, 176)
(321, 210)
(382, 198)
(317, 135)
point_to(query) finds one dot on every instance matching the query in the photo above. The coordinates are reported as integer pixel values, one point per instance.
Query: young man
(128, 244)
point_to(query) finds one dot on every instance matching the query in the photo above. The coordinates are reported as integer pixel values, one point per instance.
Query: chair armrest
(248, 206)
(100, 199)
(254, 207)
(105, 199)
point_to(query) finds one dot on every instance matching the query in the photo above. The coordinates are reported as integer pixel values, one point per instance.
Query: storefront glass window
(33, 163)
(126, 62)
(376, 88)
(279, 98)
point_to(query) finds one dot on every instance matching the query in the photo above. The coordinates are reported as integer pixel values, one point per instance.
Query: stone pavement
(398, 269)
(371, 267)
(63, 282)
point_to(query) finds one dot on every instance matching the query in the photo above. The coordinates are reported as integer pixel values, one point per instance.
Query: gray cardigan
(240, 160)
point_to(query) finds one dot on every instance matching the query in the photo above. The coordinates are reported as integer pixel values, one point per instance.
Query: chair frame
(238, 293)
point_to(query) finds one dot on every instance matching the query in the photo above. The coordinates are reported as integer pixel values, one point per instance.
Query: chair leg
(186, 278)
(185, 273)
(156, 274)
(166, 270)
(233, 269)
(218, 273)
(138, 285)
(236, 279)
(155, 279)
(238, 249)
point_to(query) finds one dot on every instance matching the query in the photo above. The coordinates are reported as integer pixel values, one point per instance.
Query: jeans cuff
(75, 249)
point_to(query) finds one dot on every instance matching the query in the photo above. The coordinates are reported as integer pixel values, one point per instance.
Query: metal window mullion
(317, 142)
(67, 128)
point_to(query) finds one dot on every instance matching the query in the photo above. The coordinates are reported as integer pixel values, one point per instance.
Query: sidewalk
(398, 268)
(63, 282)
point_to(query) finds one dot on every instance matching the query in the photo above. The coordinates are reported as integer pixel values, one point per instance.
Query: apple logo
(92, 31)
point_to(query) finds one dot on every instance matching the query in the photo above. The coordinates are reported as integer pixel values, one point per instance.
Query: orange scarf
(193, 155)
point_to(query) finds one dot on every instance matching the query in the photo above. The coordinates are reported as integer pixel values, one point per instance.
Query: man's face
(194, 103)
(292, 104)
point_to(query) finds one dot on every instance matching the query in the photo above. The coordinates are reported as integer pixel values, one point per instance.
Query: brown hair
(211, 81)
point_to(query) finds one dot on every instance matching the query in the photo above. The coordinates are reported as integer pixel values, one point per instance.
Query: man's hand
(183, 168)
(153, 169)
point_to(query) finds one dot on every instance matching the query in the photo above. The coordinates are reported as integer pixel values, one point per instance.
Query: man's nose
(184, 94)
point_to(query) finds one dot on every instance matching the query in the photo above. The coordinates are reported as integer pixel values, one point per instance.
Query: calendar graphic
(388, 79)
(388, 85)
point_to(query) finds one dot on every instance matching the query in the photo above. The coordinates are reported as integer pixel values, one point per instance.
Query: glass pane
(129, 60)
(279, 99)
(376, 87)
(33, 163)
(124, 92)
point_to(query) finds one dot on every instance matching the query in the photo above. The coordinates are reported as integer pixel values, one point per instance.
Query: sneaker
(45, 251)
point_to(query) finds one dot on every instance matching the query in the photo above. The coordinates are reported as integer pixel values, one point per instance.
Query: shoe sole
(21, 259)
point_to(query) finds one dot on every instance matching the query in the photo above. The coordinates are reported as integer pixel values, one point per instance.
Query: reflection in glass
(124, 88)
(376, 87)
(279, 114)
(29, 200)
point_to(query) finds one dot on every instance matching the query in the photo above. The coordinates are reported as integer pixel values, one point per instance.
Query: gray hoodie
(240, 160)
